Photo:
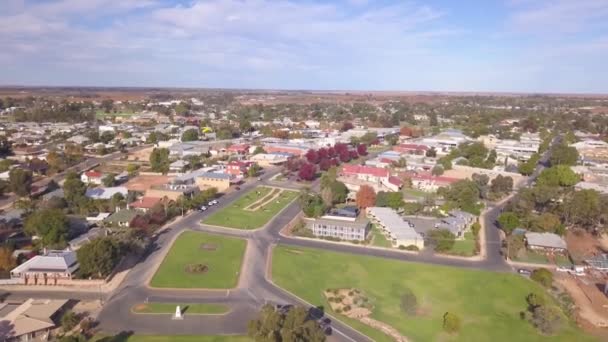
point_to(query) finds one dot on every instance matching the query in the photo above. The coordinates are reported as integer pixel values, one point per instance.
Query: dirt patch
(197, 268)
(209, 247)
(140, 307)
(274, 193)
(355, 304)
(582, 245)
(591, 302)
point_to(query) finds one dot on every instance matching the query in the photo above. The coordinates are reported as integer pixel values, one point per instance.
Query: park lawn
(464, 247)
(379, 239)
(235, 216)
(488, 303)
(174, 338)
(224, 262)
(187, 309)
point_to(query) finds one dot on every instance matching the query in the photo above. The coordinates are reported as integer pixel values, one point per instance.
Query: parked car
(237, 188)
(210, 203)
(524, 271)
(259, 178)
(203, 208)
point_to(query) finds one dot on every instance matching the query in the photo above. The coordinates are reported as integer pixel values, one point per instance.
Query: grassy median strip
(190, 309)
(236, 216)
(201, 260)
(488, 303)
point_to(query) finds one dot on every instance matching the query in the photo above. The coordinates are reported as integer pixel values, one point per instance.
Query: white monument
(178, 313)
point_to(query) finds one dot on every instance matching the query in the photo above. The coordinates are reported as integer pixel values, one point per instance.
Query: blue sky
(510, 45)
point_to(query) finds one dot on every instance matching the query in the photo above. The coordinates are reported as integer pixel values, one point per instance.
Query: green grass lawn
(174, 338)
(224, 263)
(100, 113)
(540, 258)
(379, 239)
(235, 216)
(464, 247)
(487, 303)
(415, 192)
(190, 309)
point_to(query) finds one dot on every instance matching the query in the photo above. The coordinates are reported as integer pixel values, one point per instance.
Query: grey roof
(600, 261)
(399, 228)
(204, 172)
(55, 193)
(125, 215)
(53, 261)
(359, 223)
(546, 240)
(106, 193)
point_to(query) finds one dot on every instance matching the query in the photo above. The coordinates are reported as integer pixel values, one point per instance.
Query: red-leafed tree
(346, 126)
(406, 131)
(294, 164)
(366, 197)
(335, 162)
(307, 172)
(340, 148)
(322, 153)
(331, 152)
(325, 164)
(353, 154)
(345, 157)
(362, 149)
(312, 156)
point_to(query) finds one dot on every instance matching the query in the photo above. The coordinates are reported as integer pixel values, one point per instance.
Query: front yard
(252, 210)
(201, 260)
(464, 247)
(541, 258)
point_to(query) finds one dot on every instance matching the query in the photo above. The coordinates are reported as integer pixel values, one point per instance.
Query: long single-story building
(46, 269)
(399, 231)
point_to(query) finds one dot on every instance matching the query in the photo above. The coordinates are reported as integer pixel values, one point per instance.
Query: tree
(73, 188)
(69, 320)
(50, 225)
(75, 338)
(312, 204)
(329, 177)
(442, 239)
(463, 194)
(542, 276)
(159, 160)
(508, 221)
(563, 154)
(559, 175)
(132, 169)
(339, 192)
(258, 150)
(346, 126)
(325, 164)
(362, 149)
(409, 302)
(451, 322)
(366, 196)
(98, 257)
(584, 208)
(307, 172)
(501, 184)
(437, 170)
(190, 135)
(20, 182)
(431, 152)
(7, 262)
(389, 199)
(547, 319)
(328, 196)
(109, 180)
(5, 146)
(106, 137)
(253, 170)
(535, 300)
(107, 105)
(545, 222)
(312, 156)
(278, 326)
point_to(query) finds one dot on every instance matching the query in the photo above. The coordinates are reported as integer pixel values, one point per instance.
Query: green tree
(106, 137)
(109, 180)
(437, 170)
(73, 188)
(69, 320)
(547, 319)
(560, 175)
(190, 135)
(535, 300)
(258, 150)
(389, 199)
(339, 192)
(98, 257)
(295, 325)
(584, 208)
(508, 221)
(409, 302)
(442, 239)
(159, 160)
(20, 182)
(312, 204)
(563, 154)
(451, 322)
(50, 225)
(542, 276)
(545, 222)
(132, 169)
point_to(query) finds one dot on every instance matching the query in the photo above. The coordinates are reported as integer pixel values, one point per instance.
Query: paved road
(254, 288)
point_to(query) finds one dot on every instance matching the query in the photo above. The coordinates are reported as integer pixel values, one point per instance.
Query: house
(172, 191)
(33, 320)
(48, 268)
(123, 218)
(92, 177)
(179, 165)
(78, 139)
(241, 149)
(429, 183)
(546, 242)
(238, 168)
(398, 231)
(458, 222)
(87, 237)
(343, 224)
(270, 159)
(145, 203)
(106, 193)
(366, 173)
(294, 149)
(11, 219)
(220, 181)
(411, 148)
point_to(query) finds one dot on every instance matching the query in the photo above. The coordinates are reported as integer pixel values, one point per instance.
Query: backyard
(488, 303)
(252, 210)
(378, 239)
(186, 309)
(200, 260)
(541, 258)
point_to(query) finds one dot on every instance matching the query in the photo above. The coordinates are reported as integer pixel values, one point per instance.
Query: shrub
(409, 303)
(412, 248)
(547, 319)
(346, 308)
(542, 276)
(69, 320)
(451, 322)
(535, 300)
(401, 247)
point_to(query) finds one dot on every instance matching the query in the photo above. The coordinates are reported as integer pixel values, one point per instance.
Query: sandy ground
(592, 304)
(582, 245)
(141, 154)
(142, 183)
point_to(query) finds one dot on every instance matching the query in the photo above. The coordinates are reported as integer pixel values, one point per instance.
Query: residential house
(294, 149)
(123, 218)
(238, 168)
(179, 165)
(546, 242)
(417, 149)
(458, 222)
(46, 269)
(145, 203)
(92, 177)
(33, 320)
(106, 193)
(172, 191)
(241, 149)
(270, 159)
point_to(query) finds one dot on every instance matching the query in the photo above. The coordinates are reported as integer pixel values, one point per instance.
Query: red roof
(93, 174)
(395, 181)
(145, 202)
(366, 170)
(238, 147)
(438, 179)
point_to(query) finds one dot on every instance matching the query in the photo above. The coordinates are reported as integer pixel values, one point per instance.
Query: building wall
(219, 184)
(335, 229)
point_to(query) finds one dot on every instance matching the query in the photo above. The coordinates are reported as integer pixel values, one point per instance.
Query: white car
(203, 208)
(215, 202)
(210, 203)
